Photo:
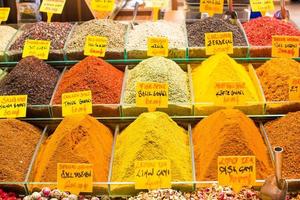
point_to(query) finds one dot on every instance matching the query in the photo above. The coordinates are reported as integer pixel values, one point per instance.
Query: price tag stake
(75, 178)
(4, 13)
(77, 103)
(158, 46)
(13, 106)
(152, 174)
(37, 48)
(285, 46)
(237, 171)
(152, 95)
(221, 42)
(52, 7)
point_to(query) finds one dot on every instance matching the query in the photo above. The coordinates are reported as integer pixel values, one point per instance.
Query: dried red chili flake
(260, 30)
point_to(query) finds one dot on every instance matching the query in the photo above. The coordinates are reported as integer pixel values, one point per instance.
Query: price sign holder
(77, 103)
(4, 13)
(37, 48)
(237, 171)
(230, 94)
(152, 174)
(157, 46)
(211, 6)
(95, 46)
(74, 177)
(152, 95)
(294, 89)
(52, 7)
(285, 46)
(262, 6)
(13, 106)
(221, 42)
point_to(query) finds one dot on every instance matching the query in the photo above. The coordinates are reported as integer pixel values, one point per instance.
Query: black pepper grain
(196, 31)
(32, 77)
(57, 32)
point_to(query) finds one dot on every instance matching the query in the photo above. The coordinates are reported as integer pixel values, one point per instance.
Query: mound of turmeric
(228, 132)
(77, 139)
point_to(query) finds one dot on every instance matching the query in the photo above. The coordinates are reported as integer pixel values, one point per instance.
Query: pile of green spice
(161, 70)
(114, 31)
(104, 80)
(32, 77)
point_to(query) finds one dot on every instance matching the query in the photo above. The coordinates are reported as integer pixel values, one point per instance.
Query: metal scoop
(231, 14)
(275, 187)
(135, 11)
(283, 13)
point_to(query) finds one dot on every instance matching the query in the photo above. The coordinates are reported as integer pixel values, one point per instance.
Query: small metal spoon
(135, 11)
(231, 14)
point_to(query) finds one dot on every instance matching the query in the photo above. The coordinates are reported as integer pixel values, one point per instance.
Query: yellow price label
(4, 13)
(221, 42)
(152, 95)
(294, 89)
(236, 171)
(157, 3)
(157, 46)
(13, 106)
(77, 103)
(262, 5)
(74, 177)
(230, 94)
(285, 46)
(152, 174)
(211, 6)
(52, 6)
(95, 46)
(37, 48)
(102, 5)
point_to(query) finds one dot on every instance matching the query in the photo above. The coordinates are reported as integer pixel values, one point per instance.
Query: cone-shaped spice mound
(228, 132)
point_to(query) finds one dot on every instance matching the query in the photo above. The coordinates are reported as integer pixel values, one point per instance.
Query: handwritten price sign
(262, 5)
(158, 46)
(77, 103)
(102, 5)
(13, 106)
(4, 13)
(236, 171)
(221, 42)
(37, 48)
(230, 93)
(294, 89)
(152, 174)
(95, 46)
(52, 6)
(75, 178)
(152, 95)
(211, 6)
(285, 46)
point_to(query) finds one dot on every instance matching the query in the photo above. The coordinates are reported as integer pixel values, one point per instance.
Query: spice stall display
(17, 145)
(113, 30)
(104, 80)
(56, 32)
(136, 45)
(146, 139)
(275, 76)
(161, 70)
(259, 32)
(228, 132)
(284, 132)
(32, 77)
(6, 34)
(218, 69)
(77, 139)
(196, 36)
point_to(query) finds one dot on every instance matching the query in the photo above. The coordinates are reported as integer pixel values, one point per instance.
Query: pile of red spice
(260, 30)
(8, 196)
(103, 79)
